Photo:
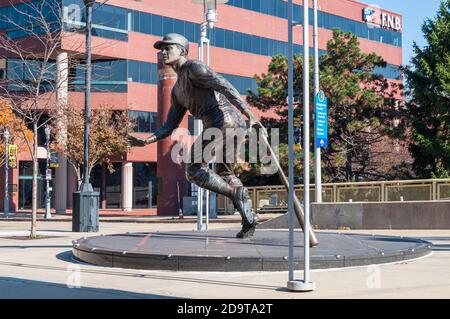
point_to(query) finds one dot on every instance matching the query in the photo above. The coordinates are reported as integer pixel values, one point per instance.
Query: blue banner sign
(321, 124)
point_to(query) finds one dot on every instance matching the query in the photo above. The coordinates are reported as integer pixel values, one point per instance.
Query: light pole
(48, 174)
(292, 284)
(210, 18)
(85, 207)
(317, 155)
(6, 201)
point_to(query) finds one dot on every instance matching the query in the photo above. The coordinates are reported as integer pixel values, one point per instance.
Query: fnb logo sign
(374, 16)
(369, 15)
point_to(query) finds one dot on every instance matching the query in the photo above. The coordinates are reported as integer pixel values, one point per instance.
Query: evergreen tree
(428, 106)
(363, 107)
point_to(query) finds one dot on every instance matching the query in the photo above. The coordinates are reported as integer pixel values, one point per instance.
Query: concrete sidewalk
(236, 218)
(44, 268)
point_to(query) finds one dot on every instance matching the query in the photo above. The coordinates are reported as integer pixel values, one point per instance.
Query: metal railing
(274, 198)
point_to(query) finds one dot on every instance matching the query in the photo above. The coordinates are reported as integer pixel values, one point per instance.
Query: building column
(60, 188)
(127, 186)
(169, 173)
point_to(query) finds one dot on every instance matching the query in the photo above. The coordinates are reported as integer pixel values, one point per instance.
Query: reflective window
(157, 25)
(241, 83)
(111, 70)
(97, 184)
(145, 71)
(390, 72)
(113, 186)
(25, 75)
(145, 186)
(110, 16)
(109, 34)
(189, 31)
(100, 88)
(142, 72)
(25, 184)
(145, 22)
(145, 121)
(178, 26)
(326, 20)
(236, 40)
(168, 25)
(104, 16)
(28, 14)
(135, 21)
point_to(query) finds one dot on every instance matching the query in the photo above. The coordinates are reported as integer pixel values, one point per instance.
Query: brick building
(247, 35)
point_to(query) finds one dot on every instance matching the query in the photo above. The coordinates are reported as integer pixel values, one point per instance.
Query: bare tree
(108, 138)
(36, 33)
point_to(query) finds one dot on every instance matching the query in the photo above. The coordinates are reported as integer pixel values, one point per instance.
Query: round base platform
(219, 250)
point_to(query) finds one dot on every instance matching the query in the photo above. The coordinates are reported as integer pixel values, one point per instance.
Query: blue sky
(414, 13)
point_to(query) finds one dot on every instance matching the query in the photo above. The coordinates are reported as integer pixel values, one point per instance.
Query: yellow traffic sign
(12, 151)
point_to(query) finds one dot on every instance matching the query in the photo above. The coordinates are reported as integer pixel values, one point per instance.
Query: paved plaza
(45, 268)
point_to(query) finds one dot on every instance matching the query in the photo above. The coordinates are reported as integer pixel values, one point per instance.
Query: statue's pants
(222, 146)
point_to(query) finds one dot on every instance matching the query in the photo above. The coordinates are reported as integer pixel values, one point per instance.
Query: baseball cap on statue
(172, 38)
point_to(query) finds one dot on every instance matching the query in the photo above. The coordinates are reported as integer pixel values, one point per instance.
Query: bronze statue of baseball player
(212, 99)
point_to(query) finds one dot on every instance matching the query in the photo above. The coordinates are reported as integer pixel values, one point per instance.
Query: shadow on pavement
(68, 257)
(15, 288)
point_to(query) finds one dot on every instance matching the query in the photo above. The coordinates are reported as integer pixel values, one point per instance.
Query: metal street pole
(204, 41)
(87, 106)
(85, 210)
(291, 140)
(47, 179)
(304, 285)
(6, 200)
(210, 17)
(317, 155)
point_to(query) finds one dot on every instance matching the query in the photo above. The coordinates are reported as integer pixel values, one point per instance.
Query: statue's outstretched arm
(174, 118)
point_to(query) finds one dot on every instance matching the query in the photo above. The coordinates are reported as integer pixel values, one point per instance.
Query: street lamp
(6, 201)
(295, 285)
(85, 201)
(210, 18)
(210, 10)
(48, 174)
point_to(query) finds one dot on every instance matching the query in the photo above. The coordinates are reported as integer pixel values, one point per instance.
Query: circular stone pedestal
(219, 250)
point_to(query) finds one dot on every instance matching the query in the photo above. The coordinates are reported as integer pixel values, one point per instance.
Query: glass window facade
(242, 84)
(145, 72)
(389, 72)
(96, 181)
(107, 76)
(142, 72)
(107, 21)
(145, 121)
(145, 186)
(25, 184)
(113, 187)
(279, 8)
(157, 25)
(112, 22)
(25, 18)
(26, 75)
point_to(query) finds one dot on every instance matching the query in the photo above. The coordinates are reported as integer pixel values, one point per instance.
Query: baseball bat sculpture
(297, 206)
